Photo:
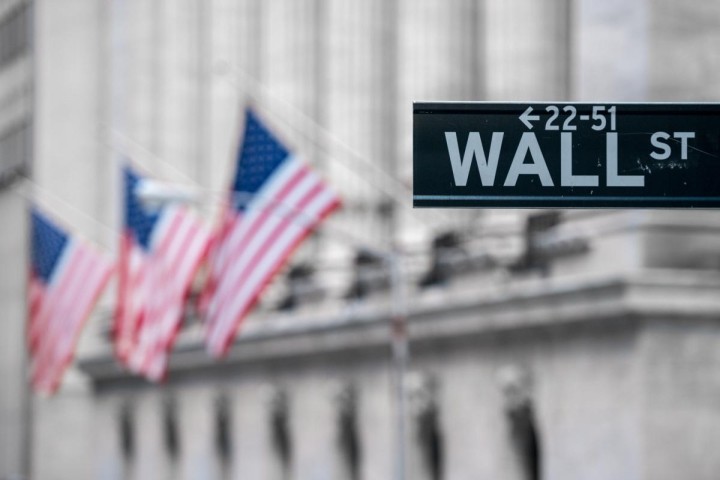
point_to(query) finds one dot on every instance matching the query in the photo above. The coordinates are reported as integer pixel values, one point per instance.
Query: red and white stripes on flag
(276, 202)
(67, 277)
(159, 256)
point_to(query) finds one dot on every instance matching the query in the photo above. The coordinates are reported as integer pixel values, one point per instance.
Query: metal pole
(400, 356)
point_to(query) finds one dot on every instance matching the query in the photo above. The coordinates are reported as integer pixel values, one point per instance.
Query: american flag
(161, 250)
(67, 276)
(276, 201)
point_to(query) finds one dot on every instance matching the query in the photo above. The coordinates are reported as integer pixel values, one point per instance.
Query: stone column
(152, 458)
(683, 60)
(14, 395)
(619, 70)
(360, 38)
(196, 431)
(253, 456)
(110, 461)
(526, 45)
(441, 57)
(314, 431)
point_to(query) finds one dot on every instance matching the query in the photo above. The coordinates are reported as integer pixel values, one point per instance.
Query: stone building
(563, 345)
(16, 120)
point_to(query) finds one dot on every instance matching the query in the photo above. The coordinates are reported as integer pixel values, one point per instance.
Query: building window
(14, 152)
(369, 276)
(447, 257)
(301, 287)
(223, 434)
(14, 33)
(535, 256)
(170, 429)
(428, 443)
(516, 386)
(348, 436)
(127, 439)
(127, 433)
(280, 431)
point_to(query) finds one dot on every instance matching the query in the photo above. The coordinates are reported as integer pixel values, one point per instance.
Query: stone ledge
(453, 313)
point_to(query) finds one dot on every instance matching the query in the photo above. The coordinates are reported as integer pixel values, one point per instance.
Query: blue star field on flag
(138, 219)
(259, 157)
(48, 243)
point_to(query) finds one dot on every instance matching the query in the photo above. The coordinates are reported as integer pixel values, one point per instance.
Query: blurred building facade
(558, 345)
(16, 120)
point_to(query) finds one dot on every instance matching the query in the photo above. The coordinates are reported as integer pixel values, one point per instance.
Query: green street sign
(566, 155)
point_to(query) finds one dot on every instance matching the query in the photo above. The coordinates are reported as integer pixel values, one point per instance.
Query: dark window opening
(170, 429)
(280, 430)
(348, 436)
(370, 276)
(14, 33)
(525, 438)
(534, 256)
(223, 436)
(446, 249)
(15, 146)
(430, 439)
(127, 433)
(520, 412)
(300, 287)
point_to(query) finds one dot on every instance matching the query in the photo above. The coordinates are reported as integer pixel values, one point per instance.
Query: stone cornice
(475, 307)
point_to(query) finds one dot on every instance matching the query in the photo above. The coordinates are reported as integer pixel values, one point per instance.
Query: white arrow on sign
(526, 118)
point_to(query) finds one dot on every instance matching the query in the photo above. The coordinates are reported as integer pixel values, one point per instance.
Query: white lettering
(683, 136)
(613, 179)
(567, 179)
(486, 165)
(655, 140)
(528, 143)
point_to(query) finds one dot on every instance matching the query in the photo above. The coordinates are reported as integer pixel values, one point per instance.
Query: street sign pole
(400, 356)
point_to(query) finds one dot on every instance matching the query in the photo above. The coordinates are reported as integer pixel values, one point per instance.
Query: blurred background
(543, 344)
